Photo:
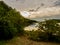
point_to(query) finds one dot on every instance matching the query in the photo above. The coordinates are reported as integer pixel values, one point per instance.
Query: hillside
(12, 29)
(25, 41)
(11, 22)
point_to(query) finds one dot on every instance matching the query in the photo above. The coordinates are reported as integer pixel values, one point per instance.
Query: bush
(8, 22)
(34, 35)
(7, 29)
(11, 22)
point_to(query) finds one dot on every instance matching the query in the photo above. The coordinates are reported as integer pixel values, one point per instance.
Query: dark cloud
(57, 3)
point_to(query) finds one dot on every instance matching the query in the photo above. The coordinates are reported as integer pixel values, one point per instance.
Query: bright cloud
(50, 11)
(25, 13)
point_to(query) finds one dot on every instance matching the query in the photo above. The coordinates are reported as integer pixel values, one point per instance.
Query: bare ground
(26, 41)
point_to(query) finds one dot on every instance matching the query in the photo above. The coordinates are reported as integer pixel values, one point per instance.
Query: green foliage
(48, 31)
(11, 22)
(34, 35)
(7, 29)
(51, 30)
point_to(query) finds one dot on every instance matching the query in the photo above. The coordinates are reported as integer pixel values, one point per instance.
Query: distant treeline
(49, 30)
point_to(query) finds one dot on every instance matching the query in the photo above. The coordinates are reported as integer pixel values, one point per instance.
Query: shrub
(11, 22)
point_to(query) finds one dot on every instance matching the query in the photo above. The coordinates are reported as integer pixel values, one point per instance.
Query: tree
(51, 30)
(11, 22)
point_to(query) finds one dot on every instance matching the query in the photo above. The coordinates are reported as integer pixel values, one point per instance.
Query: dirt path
(25, 41)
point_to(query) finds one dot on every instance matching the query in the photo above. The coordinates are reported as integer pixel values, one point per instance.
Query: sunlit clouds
(46, 12)
(49, 11)
(25, 14)
(40, 8)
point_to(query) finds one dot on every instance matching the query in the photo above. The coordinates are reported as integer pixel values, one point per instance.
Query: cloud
(57, 3)
(50, 11)
(24, 13)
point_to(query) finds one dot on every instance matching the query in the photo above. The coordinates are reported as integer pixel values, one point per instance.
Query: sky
(31, 4)
(36, 9)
